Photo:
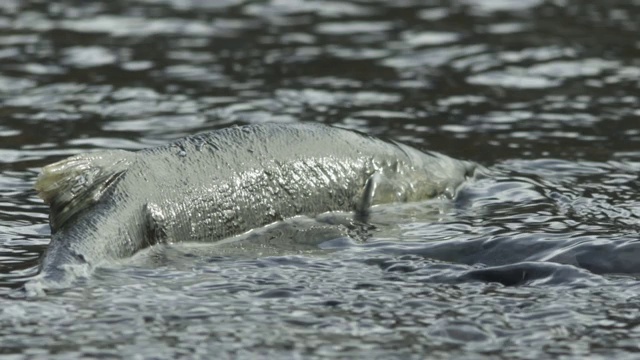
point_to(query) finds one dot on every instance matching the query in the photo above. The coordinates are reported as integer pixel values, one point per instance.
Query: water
(537, 259)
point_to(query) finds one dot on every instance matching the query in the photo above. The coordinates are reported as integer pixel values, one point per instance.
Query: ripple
(153, 124)
(11, 84)
(195, 4)
(131, 26)
(322, 97)
(536, 256)
(193, 73)
(383, 114)
(432, 57)
(332, 9)
(353, 27)
(507, 28)
(82, 57)
(19, 39)
(459, 332)
(433, 13)
(512, 79)
(486, 7)
(137, 65)
(569, 69)
(357, 54)
(430, 38)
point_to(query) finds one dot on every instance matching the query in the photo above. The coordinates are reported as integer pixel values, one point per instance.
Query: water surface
(536, 259)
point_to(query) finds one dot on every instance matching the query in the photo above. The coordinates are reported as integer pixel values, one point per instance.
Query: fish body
(110, 204)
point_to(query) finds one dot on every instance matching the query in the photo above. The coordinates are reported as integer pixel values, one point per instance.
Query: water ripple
(536, 257)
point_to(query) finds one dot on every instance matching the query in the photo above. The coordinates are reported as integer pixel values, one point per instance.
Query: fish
(110, 204)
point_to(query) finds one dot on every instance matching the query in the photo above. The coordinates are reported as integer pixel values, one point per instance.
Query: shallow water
(537, 258)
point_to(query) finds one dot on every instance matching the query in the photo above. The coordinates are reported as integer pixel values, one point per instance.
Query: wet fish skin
(108, 205)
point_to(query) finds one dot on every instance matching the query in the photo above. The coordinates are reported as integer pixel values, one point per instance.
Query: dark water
(538, 259)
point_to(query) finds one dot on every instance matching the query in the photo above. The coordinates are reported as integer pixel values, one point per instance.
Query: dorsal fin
(363, 204)
(73, 184)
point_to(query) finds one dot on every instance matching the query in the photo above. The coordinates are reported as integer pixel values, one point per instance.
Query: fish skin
(108, 205)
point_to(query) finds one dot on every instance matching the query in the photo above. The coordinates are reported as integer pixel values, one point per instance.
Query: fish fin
(73, 184)
(156, 224)
(378, 189)
(366, 198)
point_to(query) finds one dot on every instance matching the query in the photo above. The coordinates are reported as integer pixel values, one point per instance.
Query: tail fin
(72, 185)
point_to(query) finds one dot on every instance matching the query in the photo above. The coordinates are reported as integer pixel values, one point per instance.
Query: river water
(537, 258)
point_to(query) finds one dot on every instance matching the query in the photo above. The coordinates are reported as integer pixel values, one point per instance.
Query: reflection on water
(543, 93)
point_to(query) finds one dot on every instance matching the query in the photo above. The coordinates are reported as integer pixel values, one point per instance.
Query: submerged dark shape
(110, 204)
(532, 272)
